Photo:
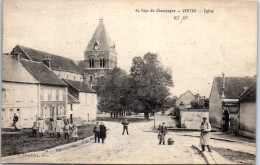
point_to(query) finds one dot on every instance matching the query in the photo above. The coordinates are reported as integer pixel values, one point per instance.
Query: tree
(112, 92)
(150, 83)
(199, 102)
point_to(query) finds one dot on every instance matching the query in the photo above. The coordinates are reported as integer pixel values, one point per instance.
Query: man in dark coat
(103, 131)
(96, 130)
(15, 120)
(125, 127)
(162, 133)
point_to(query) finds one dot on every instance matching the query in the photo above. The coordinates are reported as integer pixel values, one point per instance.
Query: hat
(204, 117)
(163, 122)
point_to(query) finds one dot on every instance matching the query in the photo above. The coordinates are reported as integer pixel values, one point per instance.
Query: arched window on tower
(91, 63)
(102, 62)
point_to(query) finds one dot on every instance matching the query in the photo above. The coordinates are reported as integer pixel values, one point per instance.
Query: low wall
(192, 118)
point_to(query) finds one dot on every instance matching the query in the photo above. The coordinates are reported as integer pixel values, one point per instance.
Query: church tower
(99, 57)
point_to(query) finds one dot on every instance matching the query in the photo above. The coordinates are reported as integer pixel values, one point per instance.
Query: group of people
(55, 129)
(205, 128)
(100, 132)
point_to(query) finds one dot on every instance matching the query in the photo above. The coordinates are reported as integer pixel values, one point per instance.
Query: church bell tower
(99, 57)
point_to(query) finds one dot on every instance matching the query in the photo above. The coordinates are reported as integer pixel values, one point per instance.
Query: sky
(196, 50)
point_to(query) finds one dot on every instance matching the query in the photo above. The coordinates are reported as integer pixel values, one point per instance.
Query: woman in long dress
(103, 131)
(205, 134)
(74, 133)
(51, 128)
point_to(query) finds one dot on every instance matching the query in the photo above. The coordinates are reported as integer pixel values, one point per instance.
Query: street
(141, 146)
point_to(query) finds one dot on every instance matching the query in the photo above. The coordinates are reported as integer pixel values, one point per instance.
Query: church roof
(14, 71)
(100, 37)
(57, 62)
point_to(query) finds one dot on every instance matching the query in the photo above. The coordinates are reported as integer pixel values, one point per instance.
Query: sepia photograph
(129, 82)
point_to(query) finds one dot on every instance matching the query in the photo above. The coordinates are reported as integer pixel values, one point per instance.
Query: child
(74, 132)
(34, 129)
(41, 126)
(67, 130)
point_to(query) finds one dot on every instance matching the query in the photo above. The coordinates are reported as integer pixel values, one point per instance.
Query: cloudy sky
(196, 49)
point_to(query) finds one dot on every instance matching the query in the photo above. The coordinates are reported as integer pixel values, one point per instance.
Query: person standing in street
(41, 127)
(74, 133)
(67, 130)
(162, 133)
(15, 120)
(51, 128)
(103, 131)
(34, 129)
(96, 130)
(205, 135)
(125, 126)
(59, 126)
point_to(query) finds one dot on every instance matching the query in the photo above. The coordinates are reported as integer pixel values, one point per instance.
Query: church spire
(101, 37)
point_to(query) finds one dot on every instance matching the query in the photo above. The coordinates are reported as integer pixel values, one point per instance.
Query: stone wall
(192, 118)
(248, 119)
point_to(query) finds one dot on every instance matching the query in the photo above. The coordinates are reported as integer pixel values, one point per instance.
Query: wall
(88, 106)
(248, 119)
(192, 118)
(69, 75)
(73, 110)
(186, 99)
(23, 97)
(53, 103)
(215, 107)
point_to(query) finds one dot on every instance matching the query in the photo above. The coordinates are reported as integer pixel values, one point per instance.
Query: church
(99, 56)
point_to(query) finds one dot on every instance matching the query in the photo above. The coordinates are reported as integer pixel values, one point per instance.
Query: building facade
(83, 102)
(19, 94)
(100, 56)
(224, 96)
(185, 98)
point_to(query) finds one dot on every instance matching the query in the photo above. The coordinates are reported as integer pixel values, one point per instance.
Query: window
(42, 95)
(96, 46)
(74, 78)
(60, 95)
(102, 62)
(45, 92)
(67, 76)
(3, 94)
(49, 95)
(71, 107)
(3, 114)
(91, 63)
(53, 92)
(46, 111)
(63, 95)
(57, 95)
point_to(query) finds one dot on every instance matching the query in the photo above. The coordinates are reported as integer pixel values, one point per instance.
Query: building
(185, 98)
(82, 102)
(19, 94)
(247, 113)
(99, 57)
(61, 66)
(52, 91)
(224, 95)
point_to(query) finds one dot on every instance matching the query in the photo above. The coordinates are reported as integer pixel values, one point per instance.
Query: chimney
(17, 55)
(47, 62)
(223, 87)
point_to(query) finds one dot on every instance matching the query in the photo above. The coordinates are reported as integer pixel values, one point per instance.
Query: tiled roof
(249, 94)
(57, 62)
(15, 72)
(79, 86)
(100, 37)
(42, 73)
(234, 86)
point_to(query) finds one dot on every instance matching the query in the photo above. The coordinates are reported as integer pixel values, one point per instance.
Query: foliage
(200, 102)
(144, 90)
